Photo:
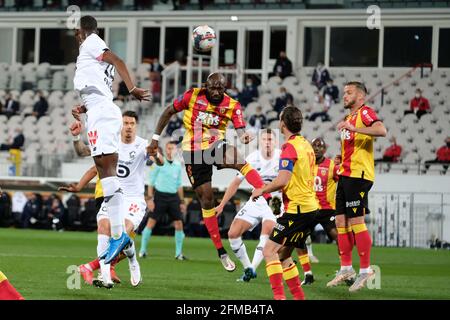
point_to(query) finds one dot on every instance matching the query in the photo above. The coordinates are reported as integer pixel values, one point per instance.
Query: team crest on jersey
(323, 171)
(92, 137)
(223, 110)
(132, 155)
(207, 119)
(133, 208)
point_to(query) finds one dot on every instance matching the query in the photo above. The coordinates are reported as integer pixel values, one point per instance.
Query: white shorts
(103, 124)
(135, 210)
(255, 212)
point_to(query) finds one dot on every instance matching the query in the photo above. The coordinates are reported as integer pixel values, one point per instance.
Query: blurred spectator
(41, 106)
(175, 123)
(442, 155)
(17, 142)
(55, 214)
(11, 106)
(19, 201)
(258, 120)
(392, 153)
(155, 77)
(283, 100)
(5, 209)
(234, 93)
(322, 104)
(32, 210)
(195, 227)
(332, 91)
(249, 93)
(282, 67)
(320, 76)
(419, 105)
(73, 210)
(337, 159)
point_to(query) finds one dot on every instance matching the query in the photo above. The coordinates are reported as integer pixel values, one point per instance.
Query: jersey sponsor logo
(345, 134)
(362, 194)
(318, 184)
(92, 137)
(207, 119)
(352, 204)
(279, 227)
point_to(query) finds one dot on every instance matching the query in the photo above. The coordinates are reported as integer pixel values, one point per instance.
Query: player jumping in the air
(131, 173)
(93, 79)
(207, 111)
(266, 160)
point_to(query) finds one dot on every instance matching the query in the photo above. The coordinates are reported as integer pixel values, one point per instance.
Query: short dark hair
(359, 85)
(268, 131)
(88, 23)
(131, 114)
(292, 118)
(175, 143)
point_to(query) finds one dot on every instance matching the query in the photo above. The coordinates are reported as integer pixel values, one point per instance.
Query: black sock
(221, 251)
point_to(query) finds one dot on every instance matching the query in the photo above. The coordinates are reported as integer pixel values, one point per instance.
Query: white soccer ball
(203, 38)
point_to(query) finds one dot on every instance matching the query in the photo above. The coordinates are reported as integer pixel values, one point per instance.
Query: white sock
(346, 268)
(365, 270)
(309, 246)
(102, 243)
(114, 204)
(130, 252)
(105, 270)
(258, 255)
(240, 251)
(308, 272)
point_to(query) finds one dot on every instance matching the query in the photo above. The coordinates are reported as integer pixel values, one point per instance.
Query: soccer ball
(203, 38)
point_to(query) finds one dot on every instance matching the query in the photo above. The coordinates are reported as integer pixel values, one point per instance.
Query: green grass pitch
(36, 263)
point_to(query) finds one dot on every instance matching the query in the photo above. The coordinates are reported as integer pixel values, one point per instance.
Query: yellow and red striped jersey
(298, 157)
(357, 148)
(206, 123)
(325, 184)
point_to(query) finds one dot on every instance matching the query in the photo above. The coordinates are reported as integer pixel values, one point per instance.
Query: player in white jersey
(93, 79)
(266, 161)
(131, 171)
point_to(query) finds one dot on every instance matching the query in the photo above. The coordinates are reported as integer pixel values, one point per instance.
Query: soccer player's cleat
(309, 279)
(181, 257)
(116, 246)
(249, 274)
(135, 272)
(88, 275)
(99, 283)
(227, 263)
(143, 254)
(361, 281)
(341, 277)
(313, 259)
(114, 276)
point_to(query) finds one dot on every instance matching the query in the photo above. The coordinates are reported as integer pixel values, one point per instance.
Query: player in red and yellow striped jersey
(207, 112)
(356, 176)
(325, 180)
(296, 180)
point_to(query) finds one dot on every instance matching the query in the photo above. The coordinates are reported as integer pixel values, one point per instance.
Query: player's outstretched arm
(277, 184)
(138, 93)
(77, 187)
(229, 193)
(162, 123)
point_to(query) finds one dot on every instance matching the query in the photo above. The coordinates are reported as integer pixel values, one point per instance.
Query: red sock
(290, 275)
(252, 176)
(94, 264)
(7, 291)
(210, 220)
(275, 274)
(304, 261)
(345, 243)
(363, 244)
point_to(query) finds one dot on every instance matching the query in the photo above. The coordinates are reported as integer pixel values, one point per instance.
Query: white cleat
(99, 282)
(135, 272)
(341, 277)
(361, 281)
(227, 263)
(313, 259)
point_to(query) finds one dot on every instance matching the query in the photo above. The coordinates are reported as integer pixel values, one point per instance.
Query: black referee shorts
(166, 203)
(352, 196)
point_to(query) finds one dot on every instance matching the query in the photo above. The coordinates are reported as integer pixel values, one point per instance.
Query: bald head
(215, 88)
(319, 146)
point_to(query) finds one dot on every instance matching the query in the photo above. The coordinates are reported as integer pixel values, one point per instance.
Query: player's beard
(214, 101)
(349, 105)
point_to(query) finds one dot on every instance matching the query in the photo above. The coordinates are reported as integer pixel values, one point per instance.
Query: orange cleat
(87, 274)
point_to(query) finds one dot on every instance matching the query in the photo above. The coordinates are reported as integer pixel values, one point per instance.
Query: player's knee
(103, 227)
(233, 234)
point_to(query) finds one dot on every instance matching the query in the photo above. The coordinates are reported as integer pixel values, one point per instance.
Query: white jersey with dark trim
(131, 167)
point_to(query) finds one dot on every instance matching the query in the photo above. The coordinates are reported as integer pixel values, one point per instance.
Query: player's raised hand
(75, 128)
(346, 125)
(219, 210)
(246, 138)
(141, 94)
(77, 111)
(152, 149)
(72, 187)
